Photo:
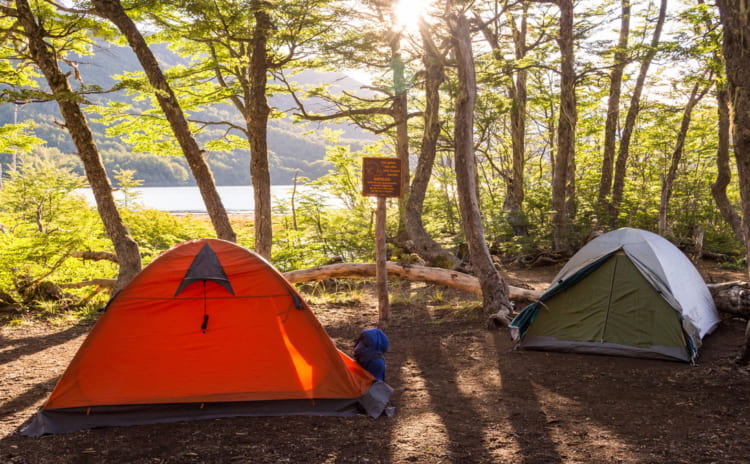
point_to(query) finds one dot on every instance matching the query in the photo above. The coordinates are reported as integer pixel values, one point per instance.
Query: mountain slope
(293, 149)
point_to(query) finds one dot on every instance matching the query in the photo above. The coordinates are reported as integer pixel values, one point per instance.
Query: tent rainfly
(628, 292)
(208, 329)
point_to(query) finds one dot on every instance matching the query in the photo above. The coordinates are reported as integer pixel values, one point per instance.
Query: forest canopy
(561, 118)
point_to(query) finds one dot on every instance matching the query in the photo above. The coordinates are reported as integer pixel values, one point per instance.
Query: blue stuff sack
(369, 348)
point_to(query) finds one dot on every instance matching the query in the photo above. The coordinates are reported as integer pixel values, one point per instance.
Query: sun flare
(408, 13)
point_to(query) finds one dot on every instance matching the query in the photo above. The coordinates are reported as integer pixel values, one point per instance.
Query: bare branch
(95, 255)
(105, 283)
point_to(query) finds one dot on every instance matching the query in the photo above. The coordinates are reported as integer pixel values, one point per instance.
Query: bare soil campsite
(462, 395)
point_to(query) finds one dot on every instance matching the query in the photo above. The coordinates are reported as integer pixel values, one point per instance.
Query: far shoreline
(204, 215)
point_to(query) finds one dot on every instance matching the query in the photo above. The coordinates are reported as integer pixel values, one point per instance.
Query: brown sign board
(381, 177)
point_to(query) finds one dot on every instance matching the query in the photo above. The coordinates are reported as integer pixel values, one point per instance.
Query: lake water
(236, 199)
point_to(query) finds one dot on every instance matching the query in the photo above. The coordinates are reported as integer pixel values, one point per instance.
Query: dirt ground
(462, 394)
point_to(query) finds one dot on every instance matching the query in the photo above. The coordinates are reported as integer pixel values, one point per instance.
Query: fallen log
(434, 275)
(734, 298)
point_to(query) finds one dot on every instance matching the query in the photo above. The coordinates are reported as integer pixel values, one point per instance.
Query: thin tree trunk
(113, 11)
(293, 205)
(514, 198)
(613, 113)
(401, 120)
(494, 288)
(126, 248)
(421, 242)
(563, 177)
(621, 164)
(257, 126)
(517, 90)
(571, 205)
(724, 172)
(735, 18)
(668, 182)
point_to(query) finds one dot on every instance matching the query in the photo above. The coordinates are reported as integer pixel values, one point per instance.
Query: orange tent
(208, 329)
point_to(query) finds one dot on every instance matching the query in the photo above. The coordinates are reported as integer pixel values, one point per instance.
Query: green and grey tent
(628, 292)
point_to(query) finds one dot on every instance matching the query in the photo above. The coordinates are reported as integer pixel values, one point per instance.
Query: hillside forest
(523, 127)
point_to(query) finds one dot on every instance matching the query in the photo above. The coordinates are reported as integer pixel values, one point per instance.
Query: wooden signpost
(381, 178)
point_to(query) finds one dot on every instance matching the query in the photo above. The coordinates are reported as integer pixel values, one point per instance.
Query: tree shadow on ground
(434, 360)
(28, 398)
(567, 406)
(44, 375)
(16, 348)
(524, 412)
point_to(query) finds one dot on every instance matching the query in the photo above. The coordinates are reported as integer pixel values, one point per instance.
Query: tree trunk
(257, 124)
(126, 248)
(563, 177)
(518, 92)
(613, 113)
(401, 120)
(668, 182)
(735, 18)
(494, 288)
(421, 242)
(513, 204)
(113, 11)
(621, 165)
(724, 172)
